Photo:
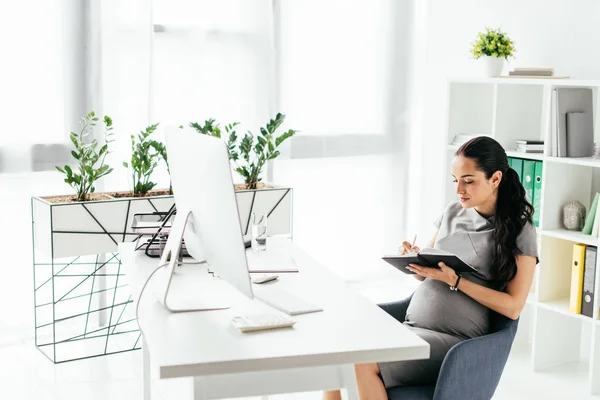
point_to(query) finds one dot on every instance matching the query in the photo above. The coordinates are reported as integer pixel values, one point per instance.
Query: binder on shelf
(589, 221)
(537, 192)
(518, 166)
(527, 178)
(589, 276)
(580, 134)
(577, 269)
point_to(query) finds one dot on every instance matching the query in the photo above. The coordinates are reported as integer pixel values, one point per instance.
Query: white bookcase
(514, 108)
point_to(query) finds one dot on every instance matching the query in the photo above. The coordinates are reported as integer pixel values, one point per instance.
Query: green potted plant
(90, 158)
(254, 151)
(90, 223)
(493, 47)
(145, 155)
(249, 158)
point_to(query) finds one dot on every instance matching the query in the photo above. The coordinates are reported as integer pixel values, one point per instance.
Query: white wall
(558, 33)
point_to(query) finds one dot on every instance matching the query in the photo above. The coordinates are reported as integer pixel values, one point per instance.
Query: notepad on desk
(428, 258)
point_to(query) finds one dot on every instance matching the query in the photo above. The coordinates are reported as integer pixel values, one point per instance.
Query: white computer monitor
(207, 218)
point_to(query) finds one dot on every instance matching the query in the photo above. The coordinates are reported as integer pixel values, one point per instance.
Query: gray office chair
(471, 369)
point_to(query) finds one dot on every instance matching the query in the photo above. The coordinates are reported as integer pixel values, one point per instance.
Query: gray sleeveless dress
(443, 317)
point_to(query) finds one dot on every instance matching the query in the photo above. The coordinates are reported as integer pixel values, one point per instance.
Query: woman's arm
(509, 303)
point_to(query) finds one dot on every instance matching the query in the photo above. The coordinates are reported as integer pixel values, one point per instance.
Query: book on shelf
(529, 141)
(530, 146)
(529, 69)
(589, 221)
(531, 73)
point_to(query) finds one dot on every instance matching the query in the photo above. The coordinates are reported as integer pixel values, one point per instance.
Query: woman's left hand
(444, 273)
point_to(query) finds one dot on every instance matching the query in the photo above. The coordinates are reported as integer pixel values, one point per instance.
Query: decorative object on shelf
(493, 47)
(574, 215)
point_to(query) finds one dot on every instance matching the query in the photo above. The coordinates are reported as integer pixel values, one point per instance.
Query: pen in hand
(409, 248)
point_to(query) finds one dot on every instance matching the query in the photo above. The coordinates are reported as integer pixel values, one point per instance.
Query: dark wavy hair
(513, 210)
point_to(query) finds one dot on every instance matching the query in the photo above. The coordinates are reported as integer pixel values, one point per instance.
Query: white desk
(318, 353)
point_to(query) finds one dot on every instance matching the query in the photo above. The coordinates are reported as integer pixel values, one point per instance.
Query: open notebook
(428, 258)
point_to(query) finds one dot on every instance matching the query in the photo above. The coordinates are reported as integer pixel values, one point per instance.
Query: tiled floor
(27, 374)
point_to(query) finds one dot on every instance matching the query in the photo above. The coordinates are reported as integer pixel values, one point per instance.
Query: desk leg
(146, 373)
(349, 377)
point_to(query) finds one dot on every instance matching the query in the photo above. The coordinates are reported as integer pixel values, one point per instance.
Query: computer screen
(203, 189)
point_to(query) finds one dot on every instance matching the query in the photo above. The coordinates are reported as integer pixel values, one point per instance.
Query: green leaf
(243, 172)
(284, 137)
(69, 170)
(60, 170)
(125, 164)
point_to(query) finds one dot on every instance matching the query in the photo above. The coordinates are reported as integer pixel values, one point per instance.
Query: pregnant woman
(490, 227)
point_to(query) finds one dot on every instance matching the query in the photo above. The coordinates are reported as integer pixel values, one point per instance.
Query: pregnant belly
(434, 306)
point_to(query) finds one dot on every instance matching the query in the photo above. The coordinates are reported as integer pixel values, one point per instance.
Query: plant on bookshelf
(493, 46)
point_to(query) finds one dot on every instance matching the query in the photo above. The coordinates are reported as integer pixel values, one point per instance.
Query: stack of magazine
(530, 146)
(545, 73)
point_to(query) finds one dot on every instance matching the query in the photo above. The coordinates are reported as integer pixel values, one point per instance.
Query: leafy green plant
(493, 43)
(161, 149)
(144, 159)
(212, 128)
(254, 152)
(90, 158)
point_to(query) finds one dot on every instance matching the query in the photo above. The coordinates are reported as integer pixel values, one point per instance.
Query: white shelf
(514, 153)
(583, 161)
(527, 156)
(527, 81)
(561, 306)
(573, 236)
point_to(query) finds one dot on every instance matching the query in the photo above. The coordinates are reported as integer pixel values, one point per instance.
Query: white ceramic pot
(492, 66)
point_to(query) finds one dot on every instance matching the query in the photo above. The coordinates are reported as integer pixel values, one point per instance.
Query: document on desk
(270, 262)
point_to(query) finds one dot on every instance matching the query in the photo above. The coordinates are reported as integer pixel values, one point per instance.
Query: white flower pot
(97, 227)
(492, 66)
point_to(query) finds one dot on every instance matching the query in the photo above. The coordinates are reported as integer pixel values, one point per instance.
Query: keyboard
(251, 323)
(286, 302)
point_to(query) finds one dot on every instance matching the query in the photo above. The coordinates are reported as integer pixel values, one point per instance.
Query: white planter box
(97, 227)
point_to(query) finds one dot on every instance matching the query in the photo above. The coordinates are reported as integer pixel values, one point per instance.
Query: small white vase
(492, 66)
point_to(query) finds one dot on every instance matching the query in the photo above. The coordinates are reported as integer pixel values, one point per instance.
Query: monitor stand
(186, 291)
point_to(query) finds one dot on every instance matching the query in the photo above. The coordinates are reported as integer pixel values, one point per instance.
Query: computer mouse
(259, 279)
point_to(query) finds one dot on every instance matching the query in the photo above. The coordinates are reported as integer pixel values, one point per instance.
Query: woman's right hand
(407, 248)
